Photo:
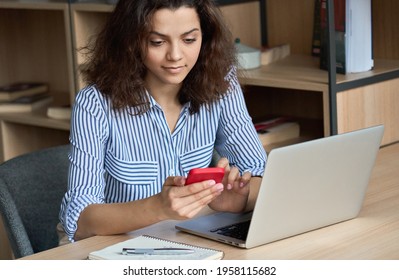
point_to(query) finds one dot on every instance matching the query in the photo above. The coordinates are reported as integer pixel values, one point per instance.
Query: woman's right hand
(179, 202)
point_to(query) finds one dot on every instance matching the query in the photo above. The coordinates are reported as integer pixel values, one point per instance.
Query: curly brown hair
(115, 64)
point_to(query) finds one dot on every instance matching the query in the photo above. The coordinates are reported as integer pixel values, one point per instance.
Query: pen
(156, 251)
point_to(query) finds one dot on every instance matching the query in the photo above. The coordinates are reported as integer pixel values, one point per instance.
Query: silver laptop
(305, 186)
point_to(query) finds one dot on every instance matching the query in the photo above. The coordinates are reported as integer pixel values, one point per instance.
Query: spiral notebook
(144, 242)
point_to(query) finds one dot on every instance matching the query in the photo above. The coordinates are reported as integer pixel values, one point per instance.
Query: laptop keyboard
(238, 231)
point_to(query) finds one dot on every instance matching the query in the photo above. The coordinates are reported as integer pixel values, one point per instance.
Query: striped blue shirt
(120, 157)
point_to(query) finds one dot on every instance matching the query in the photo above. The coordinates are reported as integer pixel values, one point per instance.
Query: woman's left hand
(235, 195)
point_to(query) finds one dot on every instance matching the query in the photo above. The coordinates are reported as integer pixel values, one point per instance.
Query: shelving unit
(369, 98)
(349, 102)
(35, 46)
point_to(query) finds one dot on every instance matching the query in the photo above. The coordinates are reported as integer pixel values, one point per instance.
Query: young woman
(162, 96)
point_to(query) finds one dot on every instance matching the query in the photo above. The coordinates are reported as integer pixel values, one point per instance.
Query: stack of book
(59, 112)
(353, 35)
(23, 97)
(275, 130)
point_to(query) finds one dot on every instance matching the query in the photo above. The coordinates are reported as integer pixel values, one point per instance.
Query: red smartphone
(196, 175)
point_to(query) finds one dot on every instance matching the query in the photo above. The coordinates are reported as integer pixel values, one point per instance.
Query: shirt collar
(154, 103)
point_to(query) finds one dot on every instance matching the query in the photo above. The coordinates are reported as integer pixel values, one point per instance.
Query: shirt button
(171, 172)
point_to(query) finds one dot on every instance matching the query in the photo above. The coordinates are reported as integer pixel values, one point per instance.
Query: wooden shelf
(303, 72)
(381, 66)
(20, 138)
(37, 119)
(294, 71)
(35, 5)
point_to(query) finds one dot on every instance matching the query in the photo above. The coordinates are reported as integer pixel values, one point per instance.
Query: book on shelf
(26, 103)
(142, 248)
(59, 112)
(316, 29)
(270, 122)
(270, 55)
(16, 90)
(353, 36)
(276, 130)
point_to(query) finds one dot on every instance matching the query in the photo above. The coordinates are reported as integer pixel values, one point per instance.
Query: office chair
(31, 188)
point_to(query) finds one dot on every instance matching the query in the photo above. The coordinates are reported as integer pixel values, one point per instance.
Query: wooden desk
(374, 234)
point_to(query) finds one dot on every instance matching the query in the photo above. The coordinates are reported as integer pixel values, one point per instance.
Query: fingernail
(219, 187)
(241, 184)
(229, 187)
(211, 182)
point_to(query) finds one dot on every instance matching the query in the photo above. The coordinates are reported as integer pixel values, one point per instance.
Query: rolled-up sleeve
(237, 138)
(89, 133)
